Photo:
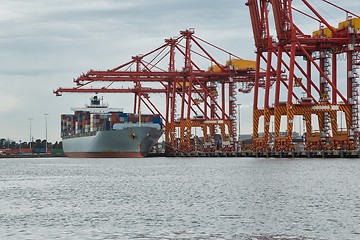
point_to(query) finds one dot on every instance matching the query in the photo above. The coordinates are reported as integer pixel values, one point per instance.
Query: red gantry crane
(194, 97)
(308, 75)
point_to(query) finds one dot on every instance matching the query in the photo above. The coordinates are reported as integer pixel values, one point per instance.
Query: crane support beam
(306, 75)
(191, 94)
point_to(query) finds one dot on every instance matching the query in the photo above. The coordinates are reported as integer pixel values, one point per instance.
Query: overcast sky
(45, 44)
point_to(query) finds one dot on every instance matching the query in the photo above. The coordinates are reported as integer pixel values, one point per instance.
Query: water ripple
(174, 198)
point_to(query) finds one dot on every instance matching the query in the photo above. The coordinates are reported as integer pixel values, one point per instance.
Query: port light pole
(46, 141)
(30, 119)
(239, 134)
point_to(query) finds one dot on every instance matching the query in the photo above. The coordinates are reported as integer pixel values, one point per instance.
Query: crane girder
(309, 63)
(189, 92)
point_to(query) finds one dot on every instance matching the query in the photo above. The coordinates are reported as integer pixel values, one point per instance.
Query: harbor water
(179, 198)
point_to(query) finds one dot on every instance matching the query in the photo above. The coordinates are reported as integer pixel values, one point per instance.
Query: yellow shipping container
(316, 33)
(242, 64)
(238, 64)
(342, 25)
(179, 85)
(214, 68)
(324, 32)
(355, 22)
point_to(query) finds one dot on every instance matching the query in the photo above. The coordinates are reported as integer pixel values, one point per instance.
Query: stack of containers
(73, 121)
(133, 118)
(68, 124)
(86, 121)
(83, 121)
(124, 117)
(157, 119)
(77, 127)
(63, 125)
(94, 121)
(146, 118)
(107, 122)
(79, 123)
(104, 122)
(114, 118)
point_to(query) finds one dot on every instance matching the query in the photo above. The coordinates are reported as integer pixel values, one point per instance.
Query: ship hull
(132, 142)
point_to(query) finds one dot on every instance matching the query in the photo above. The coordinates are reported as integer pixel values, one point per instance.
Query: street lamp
(46, 114)
(239, 115)
(30, 119)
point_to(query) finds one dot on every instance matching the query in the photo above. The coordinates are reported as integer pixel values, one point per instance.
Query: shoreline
(33, 156)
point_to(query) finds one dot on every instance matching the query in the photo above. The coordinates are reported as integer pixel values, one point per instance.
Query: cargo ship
(97, 131)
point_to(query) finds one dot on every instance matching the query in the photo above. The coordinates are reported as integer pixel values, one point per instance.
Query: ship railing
(92, 133)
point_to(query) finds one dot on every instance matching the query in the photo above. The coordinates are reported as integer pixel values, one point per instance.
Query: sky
(45, 44)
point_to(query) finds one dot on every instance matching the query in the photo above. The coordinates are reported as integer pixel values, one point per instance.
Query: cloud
(45, 44)
(10, 102)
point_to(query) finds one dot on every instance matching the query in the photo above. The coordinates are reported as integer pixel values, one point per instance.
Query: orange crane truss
(305, 71)
(194, 97)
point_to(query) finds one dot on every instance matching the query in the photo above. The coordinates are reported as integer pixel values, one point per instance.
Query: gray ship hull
(126, 142)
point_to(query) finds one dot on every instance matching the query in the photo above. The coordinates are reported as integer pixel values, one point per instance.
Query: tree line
(37, 144)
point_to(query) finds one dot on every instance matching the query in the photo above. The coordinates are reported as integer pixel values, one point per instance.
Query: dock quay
(268, 154)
